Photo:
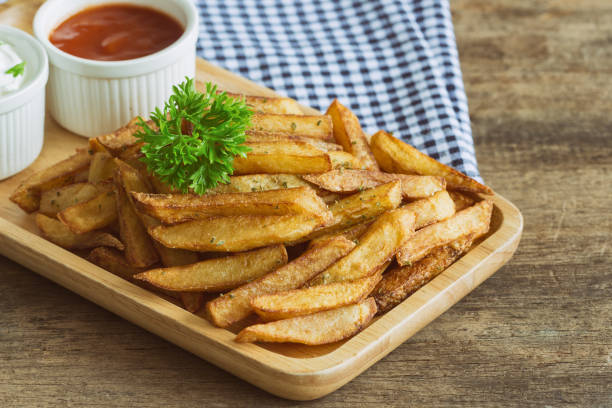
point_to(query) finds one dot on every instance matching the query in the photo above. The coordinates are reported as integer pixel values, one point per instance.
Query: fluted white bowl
(90, 97)
(22, 113)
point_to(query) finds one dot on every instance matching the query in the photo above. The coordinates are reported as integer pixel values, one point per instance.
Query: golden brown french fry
(351, 233)
(102, 167)
(218, 274)
(281, 137)
(305, 301)
(99, 212)
(473, 220)
(139, 250)
(59, 234)
(314, 126)
(235, 305)
(344, 160)
(123, 138)
(95, 146)
(401, 282)
(174, 208)
(361, 207)
(319, 328)
(27, 195)
(58, 199)
(436, 208)
(220, 234)
(259, 182)
(282, 157)
(348, 133)
(395, 156)
(462, 200)
(350, 181)
(378, 245)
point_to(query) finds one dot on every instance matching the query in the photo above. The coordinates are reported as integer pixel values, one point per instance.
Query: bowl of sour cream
(23, 76)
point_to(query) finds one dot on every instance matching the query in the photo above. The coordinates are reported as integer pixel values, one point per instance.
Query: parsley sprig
(195, 137)
(16, 69)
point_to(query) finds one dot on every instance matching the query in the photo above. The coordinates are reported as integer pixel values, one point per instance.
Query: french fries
(316, 127)
(99, 212)
(378, 245)
(319, 328)
(283, 157)
(218, 234)
(59, 234)
(58, 199)
(27, 195)
(358, 204)
(395, 156)
(351, 181)
(235, 305)
(348, 133)
(361, 207)
(473, 220)
(175, 208)
(399, 283)
(300, 302)
(218, 274)
(433, 209)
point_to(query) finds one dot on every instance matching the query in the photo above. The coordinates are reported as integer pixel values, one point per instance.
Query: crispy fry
(317, 127)
(281, 137)
(351, 233)
(259, 182)
(319, 328)
(102, 167)
(218, 274)
(282, 157)
(348, 133)
(433, 209)
(300, 302)
(174, 208)
(95, 146)
(220, 234)
(473, 220)
(27, 195)
(378, 245)
(58, 199)
(90, 215)
(351, 181)
(139, 250)
(59, 234)
(395, 156)
(401, 282)
(344, 160)
(361, 207)
(235, 305)
(123, 138)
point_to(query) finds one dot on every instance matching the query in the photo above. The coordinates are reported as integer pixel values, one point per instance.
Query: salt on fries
(359, 205)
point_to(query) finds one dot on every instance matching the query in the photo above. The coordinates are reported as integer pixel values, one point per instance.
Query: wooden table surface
(539, 332)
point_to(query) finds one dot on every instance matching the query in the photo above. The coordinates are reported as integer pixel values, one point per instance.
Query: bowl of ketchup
(112, 61)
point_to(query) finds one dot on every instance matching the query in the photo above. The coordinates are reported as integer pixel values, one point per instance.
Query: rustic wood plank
(537, 333)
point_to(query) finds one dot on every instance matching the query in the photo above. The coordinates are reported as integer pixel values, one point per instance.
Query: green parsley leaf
(16, 70)
(195, 137)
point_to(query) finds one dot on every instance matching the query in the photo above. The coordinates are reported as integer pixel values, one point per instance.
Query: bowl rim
(23, 95)
(121, 68)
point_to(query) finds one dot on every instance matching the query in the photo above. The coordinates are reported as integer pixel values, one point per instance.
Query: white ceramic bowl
(22, 113)
(91, 97)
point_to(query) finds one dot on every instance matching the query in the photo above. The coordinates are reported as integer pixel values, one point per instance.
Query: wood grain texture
(537, 333)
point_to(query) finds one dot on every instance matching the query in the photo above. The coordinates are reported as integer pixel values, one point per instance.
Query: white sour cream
(8, 59)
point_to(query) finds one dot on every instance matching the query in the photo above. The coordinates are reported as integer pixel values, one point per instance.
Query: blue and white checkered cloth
(393, 62)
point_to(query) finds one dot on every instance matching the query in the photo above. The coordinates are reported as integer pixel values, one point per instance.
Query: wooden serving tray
(287, 370)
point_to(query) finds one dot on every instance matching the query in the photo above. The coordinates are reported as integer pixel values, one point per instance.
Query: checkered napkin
(394, 63)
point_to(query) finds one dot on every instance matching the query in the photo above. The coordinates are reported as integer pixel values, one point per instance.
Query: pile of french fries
(367, 222)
